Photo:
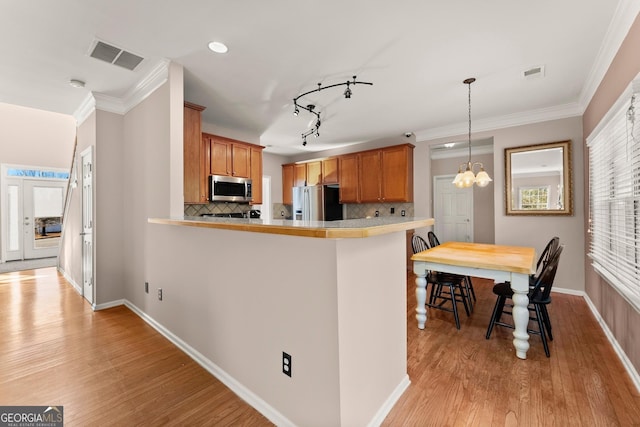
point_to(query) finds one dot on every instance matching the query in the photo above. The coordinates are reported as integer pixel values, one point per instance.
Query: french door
(33, 217)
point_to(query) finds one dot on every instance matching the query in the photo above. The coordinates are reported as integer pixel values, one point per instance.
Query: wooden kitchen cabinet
(330, 171)
(348, 170)
(288, 175)
(397, 173)
(230, 157)
(299, 175)
(386, 175)
(369, 176)
(195, 156)
(314, 172)
(256, 174)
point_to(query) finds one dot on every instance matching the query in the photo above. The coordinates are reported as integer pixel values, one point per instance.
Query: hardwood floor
(106, 367)
(111, 368)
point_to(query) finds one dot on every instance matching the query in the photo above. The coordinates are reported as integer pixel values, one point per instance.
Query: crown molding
(85, 109)
(509, 120)
(136, 94)
(445, 153)
(623, 18)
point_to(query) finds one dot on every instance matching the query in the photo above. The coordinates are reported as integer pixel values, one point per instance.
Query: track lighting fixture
(311, 107)
(468, 178)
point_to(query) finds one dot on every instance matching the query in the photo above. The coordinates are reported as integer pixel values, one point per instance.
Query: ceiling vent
(533, 72)
(114, 55)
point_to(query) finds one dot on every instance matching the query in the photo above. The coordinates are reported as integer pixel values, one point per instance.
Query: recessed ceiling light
(218, 47)
(76, 83)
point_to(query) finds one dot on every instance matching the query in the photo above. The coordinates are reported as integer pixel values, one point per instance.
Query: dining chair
(539, 298)
(470, 292)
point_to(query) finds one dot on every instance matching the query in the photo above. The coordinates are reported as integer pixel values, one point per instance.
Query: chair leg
(473, 293)
(541, 327)
(454, 305)
(468, 292)
(497, 310)
(464, 297)
(547, 321)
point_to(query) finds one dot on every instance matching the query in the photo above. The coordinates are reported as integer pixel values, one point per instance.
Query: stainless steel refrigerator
(317, 203)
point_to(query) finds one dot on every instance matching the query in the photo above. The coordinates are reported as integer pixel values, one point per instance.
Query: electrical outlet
(146, 287)
(286, 364)
(160, 294)
(403, 213)
(393, 210)
(377, 213)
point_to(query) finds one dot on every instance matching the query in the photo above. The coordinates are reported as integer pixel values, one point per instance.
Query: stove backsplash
(281, 211)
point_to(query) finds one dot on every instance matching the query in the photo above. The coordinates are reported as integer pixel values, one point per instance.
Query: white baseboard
(386, 407)
(109, 304)
(68, 278)
(243, 392)
(631, 370)
(568, 291)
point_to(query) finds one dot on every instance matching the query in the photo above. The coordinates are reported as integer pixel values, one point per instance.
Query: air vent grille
(533, 72)
(114, 55)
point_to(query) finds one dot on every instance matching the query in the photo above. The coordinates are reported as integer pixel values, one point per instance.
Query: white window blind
(614, 193)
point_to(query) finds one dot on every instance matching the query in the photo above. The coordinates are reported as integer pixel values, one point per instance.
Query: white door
(87, 225)
(453, 210)
(33, 217)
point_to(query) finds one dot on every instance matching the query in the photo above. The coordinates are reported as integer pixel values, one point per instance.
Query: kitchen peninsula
(237, 293)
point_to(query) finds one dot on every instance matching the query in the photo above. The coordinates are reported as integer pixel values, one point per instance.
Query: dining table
(502, 263)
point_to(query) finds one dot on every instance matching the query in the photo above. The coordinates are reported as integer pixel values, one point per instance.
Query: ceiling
(415, 52)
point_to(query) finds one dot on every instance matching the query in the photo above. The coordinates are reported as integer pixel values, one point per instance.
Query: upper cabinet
(372, 176)
(397, 173)
(230, 157)
(330, 171)
(348, 170)
(195, 156)
(288, 181)
(256, 174)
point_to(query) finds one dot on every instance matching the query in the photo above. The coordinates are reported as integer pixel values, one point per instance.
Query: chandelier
(311, 108)
(468, 178)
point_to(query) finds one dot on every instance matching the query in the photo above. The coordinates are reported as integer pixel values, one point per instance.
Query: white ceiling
(415, 52)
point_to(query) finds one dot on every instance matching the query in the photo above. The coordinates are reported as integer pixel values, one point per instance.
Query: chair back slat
(544, 281)
(418, 244)
(546, 254)
(433, 239)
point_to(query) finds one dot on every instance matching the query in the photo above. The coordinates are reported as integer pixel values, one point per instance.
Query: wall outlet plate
(160, 294)
(286, 364)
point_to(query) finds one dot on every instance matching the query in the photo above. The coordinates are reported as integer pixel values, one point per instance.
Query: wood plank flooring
(111, 368)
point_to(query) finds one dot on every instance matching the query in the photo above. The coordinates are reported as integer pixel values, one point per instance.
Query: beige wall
(620, 317)
(532, 231)
(36, 138)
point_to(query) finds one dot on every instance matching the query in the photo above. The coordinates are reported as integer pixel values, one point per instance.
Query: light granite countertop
(349, 228)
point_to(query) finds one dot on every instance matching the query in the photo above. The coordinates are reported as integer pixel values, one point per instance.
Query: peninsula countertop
(348, 228)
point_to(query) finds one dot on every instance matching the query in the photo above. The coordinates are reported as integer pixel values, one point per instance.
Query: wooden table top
(516, 259)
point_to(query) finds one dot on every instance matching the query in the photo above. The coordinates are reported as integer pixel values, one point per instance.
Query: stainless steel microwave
(229, 189)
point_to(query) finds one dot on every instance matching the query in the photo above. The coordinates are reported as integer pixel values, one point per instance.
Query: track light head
(347, 93)
(296, 112)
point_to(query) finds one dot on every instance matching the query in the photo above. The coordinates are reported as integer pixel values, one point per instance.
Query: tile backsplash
(215, 208)
(282, 211)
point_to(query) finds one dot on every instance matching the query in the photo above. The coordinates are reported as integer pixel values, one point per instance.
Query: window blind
(614, 194)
